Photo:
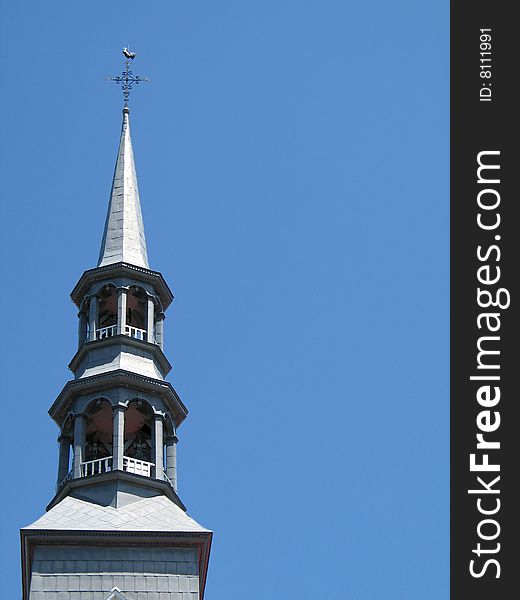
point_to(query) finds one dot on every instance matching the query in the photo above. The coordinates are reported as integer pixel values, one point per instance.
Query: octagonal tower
(116, 527)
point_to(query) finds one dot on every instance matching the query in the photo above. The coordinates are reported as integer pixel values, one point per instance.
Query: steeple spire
(123, 238)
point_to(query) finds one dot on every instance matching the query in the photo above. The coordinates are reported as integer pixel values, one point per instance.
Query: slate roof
(150, 514)
(123, 238)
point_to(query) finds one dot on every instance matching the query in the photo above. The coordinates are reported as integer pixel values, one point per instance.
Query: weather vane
(127, 78)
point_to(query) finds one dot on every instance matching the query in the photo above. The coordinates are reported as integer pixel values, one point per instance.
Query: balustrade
(94, 467)
(135, 332)
(104, 465)
(138, 467)
(111, 330)
(106, 332)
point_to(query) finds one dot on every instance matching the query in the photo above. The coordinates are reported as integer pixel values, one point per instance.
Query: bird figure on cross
(127, 79)
(128, 54)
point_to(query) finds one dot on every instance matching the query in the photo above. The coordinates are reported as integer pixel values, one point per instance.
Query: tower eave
(154, 349)
(122, 269)
(117, 378)
(115, 478)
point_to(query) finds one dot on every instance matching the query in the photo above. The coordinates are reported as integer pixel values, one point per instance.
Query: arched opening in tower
(138, 431)
(107, 312)
(98, 443)
(136, 312)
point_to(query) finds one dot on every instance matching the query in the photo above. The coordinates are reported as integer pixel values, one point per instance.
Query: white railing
(139, 467)
(94, 467)
(135, 332)
(106, 332)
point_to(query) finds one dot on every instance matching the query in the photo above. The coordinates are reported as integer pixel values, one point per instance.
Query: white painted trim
(115, 594)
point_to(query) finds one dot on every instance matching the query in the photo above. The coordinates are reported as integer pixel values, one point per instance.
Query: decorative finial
(127, 79)
(128, 54)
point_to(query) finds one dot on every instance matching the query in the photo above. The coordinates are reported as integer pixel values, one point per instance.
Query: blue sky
(293, 167)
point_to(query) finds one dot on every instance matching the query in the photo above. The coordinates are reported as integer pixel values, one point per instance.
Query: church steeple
(116, 510)
(123, 237)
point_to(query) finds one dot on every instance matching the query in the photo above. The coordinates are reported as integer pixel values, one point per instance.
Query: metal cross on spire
(127, 78)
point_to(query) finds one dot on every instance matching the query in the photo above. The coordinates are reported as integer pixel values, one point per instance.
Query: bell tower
(116, 528)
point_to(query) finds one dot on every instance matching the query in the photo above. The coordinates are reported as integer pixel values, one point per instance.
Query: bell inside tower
(136, 313)
(107, 307)
(98, 441)
(138, 431)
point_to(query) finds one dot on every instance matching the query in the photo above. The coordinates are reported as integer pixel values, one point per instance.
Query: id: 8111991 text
(485, 65)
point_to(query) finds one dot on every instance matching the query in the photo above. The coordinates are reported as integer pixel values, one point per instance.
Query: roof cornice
(121, 339)
(119, 476)
(126, 270)
(35, 537)
(117, 378)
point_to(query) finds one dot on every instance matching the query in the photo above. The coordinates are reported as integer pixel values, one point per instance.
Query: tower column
(93, 318)
(121, 310)
(118, 437)
(159, 327)
(158, 446)
(80, 433)
(150, 310)
(64, 455)
(82, 328)
(171, 459)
